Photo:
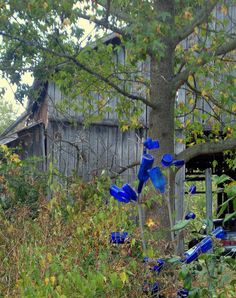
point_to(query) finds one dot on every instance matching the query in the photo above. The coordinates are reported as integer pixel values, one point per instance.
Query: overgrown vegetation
(64, 249)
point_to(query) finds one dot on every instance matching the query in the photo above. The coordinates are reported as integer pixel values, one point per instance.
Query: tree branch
(103, 23)
(83, 67)
(123, 169)
(111, 84)
(211, 99)
(182, 77)
(207, 148)
(200, 18)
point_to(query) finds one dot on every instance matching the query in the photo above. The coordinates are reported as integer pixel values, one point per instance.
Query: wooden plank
(112, 147)
(93, 151)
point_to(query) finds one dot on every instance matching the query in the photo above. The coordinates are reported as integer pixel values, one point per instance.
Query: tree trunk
(161, 119)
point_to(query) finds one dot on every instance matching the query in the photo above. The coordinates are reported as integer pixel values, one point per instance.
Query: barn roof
(11, 137)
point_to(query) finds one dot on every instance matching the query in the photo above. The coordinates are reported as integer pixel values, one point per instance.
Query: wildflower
(150, 223)
(46, 281)
(49, 257)
(52, 279)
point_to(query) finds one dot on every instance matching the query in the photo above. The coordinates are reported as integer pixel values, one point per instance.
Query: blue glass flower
(190, 215)
(146, 164)
(151, 144)
(118, 238)
(182, 293)
(157, 178)
(157, 264)
(192, 189)
(167, 160)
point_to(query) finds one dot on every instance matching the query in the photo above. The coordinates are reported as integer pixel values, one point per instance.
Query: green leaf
(223, 207)
(221, 179)
(173, 260)
(229, 216)
(180, 225)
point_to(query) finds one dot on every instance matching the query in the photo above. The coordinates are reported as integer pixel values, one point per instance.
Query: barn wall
(89, 151)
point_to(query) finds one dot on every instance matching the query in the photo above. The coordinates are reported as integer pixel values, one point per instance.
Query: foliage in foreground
(64, 249)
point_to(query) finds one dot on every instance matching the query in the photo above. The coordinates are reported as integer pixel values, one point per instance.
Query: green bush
(21, 183)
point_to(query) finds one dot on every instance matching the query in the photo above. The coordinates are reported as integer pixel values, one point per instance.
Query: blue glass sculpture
(118, 238)
(146, 164)
(157, 178)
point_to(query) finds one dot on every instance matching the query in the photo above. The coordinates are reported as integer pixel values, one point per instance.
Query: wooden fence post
(208, 183)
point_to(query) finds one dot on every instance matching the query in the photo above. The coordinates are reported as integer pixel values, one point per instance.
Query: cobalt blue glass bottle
(157, 178)
(130, 192)
(191, 255)
(118, 238)
(192, 189)
(151, 144)
(219, 233)
(167, 160)
(119, 194)
(156, 265)
(146, 164)
(190, 215)
(178, 163)
(206, 244)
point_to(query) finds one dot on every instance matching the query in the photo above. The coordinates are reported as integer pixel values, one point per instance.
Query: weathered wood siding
(89, 151)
